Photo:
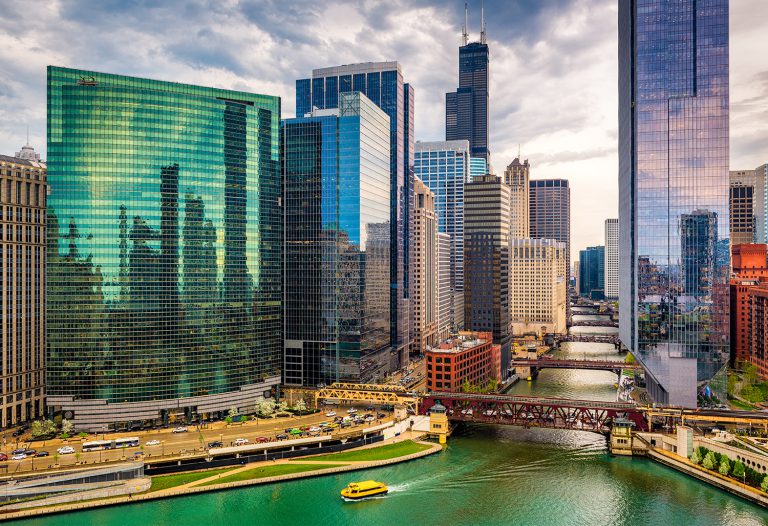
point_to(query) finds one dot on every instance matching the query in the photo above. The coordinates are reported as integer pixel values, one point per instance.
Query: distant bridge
(595, 365)
(587, 338)
(593, 323)
(554, 413)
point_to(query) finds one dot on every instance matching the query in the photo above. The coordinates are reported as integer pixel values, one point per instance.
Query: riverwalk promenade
(251, 474)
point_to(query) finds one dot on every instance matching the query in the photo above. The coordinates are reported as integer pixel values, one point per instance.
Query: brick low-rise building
(749, 272)
(758, 328)
(470, 357)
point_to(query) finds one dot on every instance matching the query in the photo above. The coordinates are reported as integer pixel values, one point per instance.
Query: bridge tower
(621, 437)
(438, 422)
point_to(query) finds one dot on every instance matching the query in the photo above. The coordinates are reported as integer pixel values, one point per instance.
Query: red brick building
(469, 357)
(750, 271)
(758, 328)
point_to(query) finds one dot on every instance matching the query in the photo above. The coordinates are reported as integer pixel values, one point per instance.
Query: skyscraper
(466, 109)
(22, 286)
(336, 171)
(165, 229)
(611, 259)
(673, 194)
(425, 268)
(747, 205)
(382, 83)
(549, 209)
(592, 273)
(537, 288)
(518, 176)
(443, 166)
(445, 294)
(486, 260)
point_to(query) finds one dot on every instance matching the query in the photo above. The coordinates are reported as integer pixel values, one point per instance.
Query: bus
(97, 445)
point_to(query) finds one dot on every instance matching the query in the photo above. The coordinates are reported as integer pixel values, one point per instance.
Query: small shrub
(725, 467)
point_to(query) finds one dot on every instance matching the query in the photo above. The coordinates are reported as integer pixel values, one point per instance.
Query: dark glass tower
(592, 272)
(673, 190)
(336, 170)
(382, 83)
(165, 232)
(466, 109)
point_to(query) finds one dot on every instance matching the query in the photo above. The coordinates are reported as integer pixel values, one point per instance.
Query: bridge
(554, 413)
(368, 393)
(591, 323)
(595, 365)
(588, 338)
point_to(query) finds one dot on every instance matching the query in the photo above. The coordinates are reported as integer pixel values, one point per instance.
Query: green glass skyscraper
(164, 249)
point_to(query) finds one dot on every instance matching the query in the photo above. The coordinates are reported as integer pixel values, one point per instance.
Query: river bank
(216, 480)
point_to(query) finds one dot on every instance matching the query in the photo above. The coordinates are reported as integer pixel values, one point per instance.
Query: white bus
(110, 444)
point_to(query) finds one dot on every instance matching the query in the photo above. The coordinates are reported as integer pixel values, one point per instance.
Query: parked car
(42, 454)
(215, 443)
(282, 436)
(262, 440)
(180, 429)
(381, 415)
(65, 450)
(153, 443)
(369, 419)
(20, 431)
(20, 456)
(3, 457)
(314, 429)
(351, 410)
(241, 441)
(19, 451)
(330, 414)
(30, 452)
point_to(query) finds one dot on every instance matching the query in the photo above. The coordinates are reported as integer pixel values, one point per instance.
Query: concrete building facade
(537, 287)
(23, 195)
(425, 268)
(611, 264)
(517, 176)
(747, 205)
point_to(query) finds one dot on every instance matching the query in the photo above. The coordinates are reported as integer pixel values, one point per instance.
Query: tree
(300, 406)
(764, 484)
(709, 461)
(233, 412)
(629, 359)
(282, 407)
(42, 428)
(67, 427)
(725, 467)
(738, 469)
(266, 407)
(695, 458)
(750, 373)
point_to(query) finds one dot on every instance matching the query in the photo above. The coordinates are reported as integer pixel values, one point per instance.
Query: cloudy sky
(553, 68)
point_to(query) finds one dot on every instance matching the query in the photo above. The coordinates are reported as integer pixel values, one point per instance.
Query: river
(487, 475)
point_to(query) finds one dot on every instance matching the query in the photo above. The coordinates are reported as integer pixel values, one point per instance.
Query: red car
(3, 457)
(262, 440)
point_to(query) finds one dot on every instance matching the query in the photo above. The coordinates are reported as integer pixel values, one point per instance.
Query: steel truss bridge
(369, 394)
(595, 365)
(554, 413)
(591, 323)
(588, 338)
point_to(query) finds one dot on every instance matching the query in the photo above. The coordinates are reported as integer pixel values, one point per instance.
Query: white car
(180, 429)
(369, 419)
(65, 450)
(241, 441)
(351, 410)
(314, 429)
(330, 413)
(20, 456)
(153, 443)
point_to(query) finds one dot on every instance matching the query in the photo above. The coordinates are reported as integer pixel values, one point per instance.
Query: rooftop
(461, 342)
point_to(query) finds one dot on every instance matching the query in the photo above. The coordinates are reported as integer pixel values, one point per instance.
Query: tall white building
(611, 259)
(445, 295)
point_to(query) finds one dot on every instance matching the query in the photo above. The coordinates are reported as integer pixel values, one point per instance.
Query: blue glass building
(673, 186)
(444, 166)
(164, 264)
(477, 167)
(382, 83)
(592, 272)
(337, 211)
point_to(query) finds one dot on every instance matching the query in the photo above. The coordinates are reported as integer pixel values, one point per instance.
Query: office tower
(575, 276)
(336, 172)
(445, 294)
(538, 291)
(517, 176)
(549, 216)
(486, 260)
(466, 109)
(592, 273)
(747, 205)
(22, 281)
(673, 195)
(477, 167)
(382, 83)
(165, 230)
(611, 264)
(750, 270)
(444, 167)
(425, 268)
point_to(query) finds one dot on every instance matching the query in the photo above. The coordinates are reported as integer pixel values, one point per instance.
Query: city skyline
(535, 84)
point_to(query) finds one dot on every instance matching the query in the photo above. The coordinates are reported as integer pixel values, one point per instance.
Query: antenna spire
(464, 33)
(27, 134)
(482, 22)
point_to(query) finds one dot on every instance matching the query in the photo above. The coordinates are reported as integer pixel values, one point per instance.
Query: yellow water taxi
(361, 490)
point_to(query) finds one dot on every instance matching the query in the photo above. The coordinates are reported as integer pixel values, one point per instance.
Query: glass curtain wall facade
(382, 83)
(336, 169)
(673, 166)
(466, 109)
(164, 267)
(444, 167)
(592, 273)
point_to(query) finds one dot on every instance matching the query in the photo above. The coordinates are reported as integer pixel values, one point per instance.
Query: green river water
(487, 475)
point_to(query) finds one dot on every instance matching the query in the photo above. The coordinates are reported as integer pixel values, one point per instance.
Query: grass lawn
(269, 471)
(162, 482)
(741, 405)
(398, 449)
